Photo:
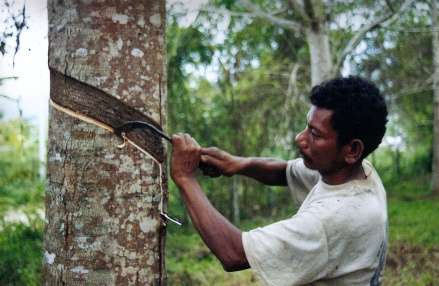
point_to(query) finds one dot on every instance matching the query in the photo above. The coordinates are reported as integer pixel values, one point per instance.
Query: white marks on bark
(49, 258)
(137, 53)
(60, 267)
(120, 18)
(55, 158)
(137, 89)
(141, 22)
(148, 225)
(79, 269)
(145, 77)
(69, 14)
(125, 162)
(115, 47)
(155, 20)
(81, 52)
(81, 241)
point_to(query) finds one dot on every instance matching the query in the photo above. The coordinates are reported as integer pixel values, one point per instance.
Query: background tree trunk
(435, 171)
(234, 203)
(102, 203)
(320, 56)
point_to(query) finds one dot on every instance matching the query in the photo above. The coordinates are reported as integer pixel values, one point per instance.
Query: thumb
(209, 160)
(212, 151)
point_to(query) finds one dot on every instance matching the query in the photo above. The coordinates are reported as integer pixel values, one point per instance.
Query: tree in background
(315, 21)
(13, 23)
(435, 31)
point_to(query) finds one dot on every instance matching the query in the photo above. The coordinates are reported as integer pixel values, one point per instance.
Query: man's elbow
(231, 265)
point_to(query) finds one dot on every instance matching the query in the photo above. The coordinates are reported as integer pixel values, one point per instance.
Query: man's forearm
(265, 170)
(222, 237)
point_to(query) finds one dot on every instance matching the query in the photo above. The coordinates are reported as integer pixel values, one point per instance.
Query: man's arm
(265, 170)
(222, 237)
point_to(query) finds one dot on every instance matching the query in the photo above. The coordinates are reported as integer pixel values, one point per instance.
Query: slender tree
(435, 29)
(103, 203)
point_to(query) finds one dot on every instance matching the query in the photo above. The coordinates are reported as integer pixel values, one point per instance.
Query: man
(339, 234)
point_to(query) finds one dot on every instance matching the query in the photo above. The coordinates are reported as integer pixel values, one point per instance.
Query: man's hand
(222, 237)
(185, 157)
(224, 162)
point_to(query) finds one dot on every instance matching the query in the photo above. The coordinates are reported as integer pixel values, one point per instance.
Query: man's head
(347, 119)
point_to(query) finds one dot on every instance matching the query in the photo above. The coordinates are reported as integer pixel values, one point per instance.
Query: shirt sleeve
(300, 179)
(289, 252)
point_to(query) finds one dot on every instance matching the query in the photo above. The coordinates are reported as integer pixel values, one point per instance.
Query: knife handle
(209, 170)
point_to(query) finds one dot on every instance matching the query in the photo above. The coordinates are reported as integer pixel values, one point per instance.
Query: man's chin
(308, 163)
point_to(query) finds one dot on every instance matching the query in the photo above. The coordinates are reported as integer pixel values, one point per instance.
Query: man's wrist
(181, 182)
(242, 164)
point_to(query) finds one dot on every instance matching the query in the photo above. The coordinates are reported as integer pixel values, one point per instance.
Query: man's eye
(313, 133)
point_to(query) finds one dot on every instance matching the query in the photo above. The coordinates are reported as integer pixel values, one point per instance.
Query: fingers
(185, 156)
(209, 160)
(212, 151)
(177, 139)
(184, 139)
(190, 140)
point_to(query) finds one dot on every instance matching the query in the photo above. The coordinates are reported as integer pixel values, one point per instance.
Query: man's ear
(353, 151)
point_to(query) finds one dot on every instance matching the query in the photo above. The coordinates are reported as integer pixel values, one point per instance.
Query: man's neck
(344, 175)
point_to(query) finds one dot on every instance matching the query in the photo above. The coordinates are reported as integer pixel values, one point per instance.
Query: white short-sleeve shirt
(337, 237)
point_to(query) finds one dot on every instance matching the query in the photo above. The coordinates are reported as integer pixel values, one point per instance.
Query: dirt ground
(412, 265)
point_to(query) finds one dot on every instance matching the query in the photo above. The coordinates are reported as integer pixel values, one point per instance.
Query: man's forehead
(319, 113)
(319, 117)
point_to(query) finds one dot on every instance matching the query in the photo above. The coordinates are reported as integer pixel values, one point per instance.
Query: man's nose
(301, 140)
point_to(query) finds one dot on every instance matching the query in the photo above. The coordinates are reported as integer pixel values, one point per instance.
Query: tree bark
(320, 56)
(102, 203)
(234, 194)
(435, 169)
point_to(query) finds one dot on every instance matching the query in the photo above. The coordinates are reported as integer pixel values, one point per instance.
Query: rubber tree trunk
(435, 171)
(102, 203)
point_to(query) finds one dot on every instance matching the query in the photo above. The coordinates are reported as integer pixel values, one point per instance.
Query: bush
(21, 254)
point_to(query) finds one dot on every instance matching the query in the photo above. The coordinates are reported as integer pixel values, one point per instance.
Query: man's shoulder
(359, 203)
(297, 172)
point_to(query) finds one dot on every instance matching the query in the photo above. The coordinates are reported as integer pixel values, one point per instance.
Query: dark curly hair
(359, 110)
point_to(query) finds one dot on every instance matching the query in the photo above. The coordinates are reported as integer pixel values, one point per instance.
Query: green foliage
(21, 192)
(239, 111)
(19, 182)
(399, 60)
(21, 254)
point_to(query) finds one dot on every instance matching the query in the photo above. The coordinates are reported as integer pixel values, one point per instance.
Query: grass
(413, 257)
(190, 262)
(414, 222)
